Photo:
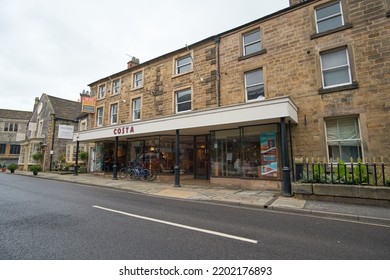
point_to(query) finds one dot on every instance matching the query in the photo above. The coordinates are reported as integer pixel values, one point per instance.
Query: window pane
(183, 69)
(184, 107)
(183, 96)
(343, 139)
(330, 23)
(255, 36)
(183, 65)
(334, 59)
(256, 47)
(184, 61)
(255, 92)
(255, 77)
(328, 11)
(183, 100)
(336, 77)
(136, 109)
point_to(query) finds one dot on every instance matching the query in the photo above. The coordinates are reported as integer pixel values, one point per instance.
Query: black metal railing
(353, 173)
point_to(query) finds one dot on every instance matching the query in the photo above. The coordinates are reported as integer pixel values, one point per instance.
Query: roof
(65, 109)
(14, 114)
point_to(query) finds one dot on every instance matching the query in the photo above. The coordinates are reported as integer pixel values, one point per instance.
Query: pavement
(202, 190)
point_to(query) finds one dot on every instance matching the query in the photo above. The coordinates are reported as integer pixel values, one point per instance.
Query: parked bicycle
(126, 170)
(137, 171)
(143, 173)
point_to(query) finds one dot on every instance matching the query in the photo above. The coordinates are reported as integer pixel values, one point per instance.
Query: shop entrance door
(202, 161)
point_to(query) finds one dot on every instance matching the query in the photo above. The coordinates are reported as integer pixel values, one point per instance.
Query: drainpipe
(217, 41)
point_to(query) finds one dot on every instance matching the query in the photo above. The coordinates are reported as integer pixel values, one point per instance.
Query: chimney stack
(133, 62)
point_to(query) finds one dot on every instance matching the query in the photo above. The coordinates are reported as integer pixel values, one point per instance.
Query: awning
(199, 122)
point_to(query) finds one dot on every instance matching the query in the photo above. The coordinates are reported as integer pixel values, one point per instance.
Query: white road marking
(179, 225)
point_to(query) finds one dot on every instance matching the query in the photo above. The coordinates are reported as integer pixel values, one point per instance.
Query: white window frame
(252, 42)
(179, 66)
(138, 79)
(115, 86)
(254, 85)
(114, 113)
(177, 103)
(330, 69)
(136, 110)
(337, 142)
(340, 14)
(99, 116)
(102, 91)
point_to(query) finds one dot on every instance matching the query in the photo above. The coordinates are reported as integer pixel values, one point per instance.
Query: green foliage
(83, 156)
(35, 168)
(12, 167)
(37, 156)
(82, 169)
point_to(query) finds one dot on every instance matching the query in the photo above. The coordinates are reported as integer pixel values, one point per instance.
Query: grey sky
(59, 47)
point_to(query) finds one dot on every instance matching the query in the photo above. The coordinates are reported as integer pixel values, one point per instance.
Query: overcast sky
(59, 47)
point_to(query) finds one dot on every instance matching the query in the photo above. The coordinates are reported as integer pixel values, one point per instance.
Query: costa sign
(123, 130)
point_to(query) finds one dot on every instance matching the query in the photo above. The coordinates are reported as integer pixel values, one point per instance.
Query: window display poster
(269, 160)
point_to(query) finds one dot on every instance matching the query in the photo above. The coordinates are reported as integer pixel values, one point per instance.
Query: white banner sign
(65, 131)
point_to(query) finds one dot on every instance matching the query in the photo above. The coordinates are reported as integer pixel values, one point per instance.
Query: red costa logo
(123, 130)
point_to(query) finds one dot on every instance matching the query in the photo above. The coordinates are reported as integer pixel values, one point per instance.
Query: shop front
(243, 144)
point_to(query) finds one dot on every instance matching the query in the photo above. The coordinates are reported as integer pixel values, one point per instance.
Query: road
(44, 219)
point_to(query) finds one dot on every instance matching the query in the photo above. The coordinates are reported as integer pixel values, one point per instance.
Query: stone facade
(291, 65)
(160, 84)
(293, 60)
(13, 126)
(42, 134)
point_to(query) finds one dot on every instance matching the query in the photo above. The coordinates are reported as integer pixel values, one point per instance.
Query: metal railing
(353, 173)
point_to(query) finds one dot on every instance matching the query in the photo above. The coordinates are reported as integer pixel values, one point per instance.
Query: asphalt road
(44, 219)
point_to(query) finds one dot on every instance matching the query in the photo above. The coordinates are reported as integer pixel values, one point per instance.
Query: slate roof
(65, 109)
(14, 114)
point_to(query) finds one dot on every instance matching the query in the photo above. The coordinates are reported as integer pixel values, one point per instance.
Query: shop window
(251, 42)
(329, 17)
(254, 85)
(136, 109)
(137, 83)
(114, 114)
(260, 152)
(343, 139)
(226, 153)
(99, 116)
(183, 65)
(335, 68)
(183, 100)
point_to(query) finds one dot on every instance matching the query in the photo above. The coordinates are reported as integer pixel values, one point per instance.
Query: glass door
(202, 162)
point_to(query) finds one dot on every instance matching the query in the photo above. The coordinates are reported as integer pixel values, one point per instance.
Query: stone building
(50, 128)
(310, 80)
(13, 126)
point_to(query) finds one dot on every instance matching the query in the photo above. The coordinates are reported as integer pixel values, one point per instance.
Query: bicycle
(126, 170)
(139, 172)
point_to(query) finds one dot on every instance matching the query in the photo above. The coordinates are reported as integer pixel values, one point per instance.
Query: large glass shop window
(260, 152)
(225, 153)
(253, 153)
